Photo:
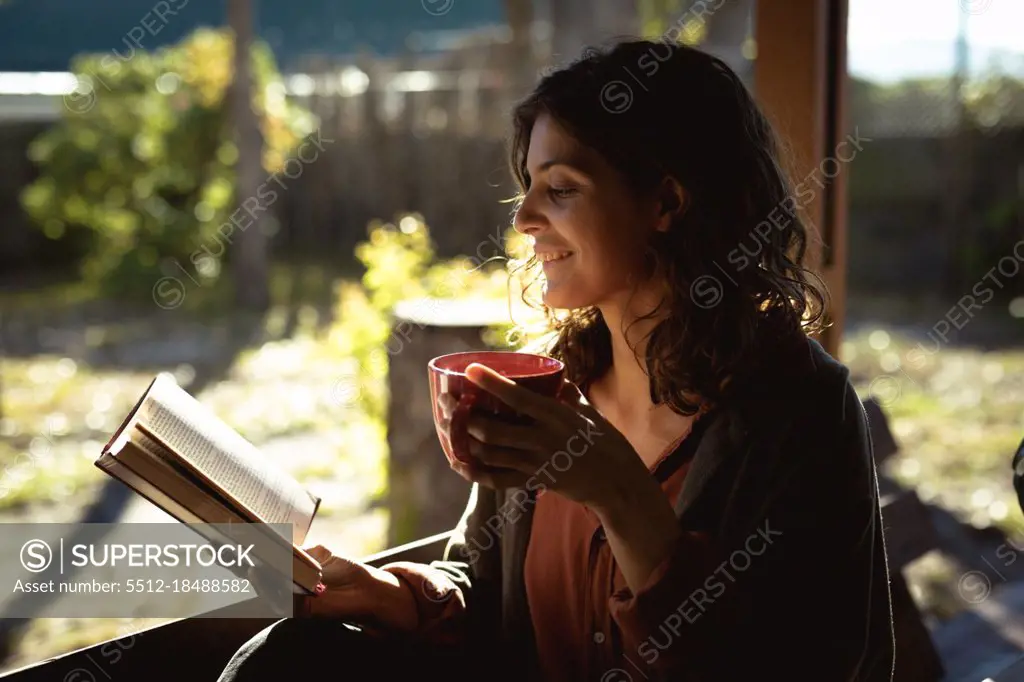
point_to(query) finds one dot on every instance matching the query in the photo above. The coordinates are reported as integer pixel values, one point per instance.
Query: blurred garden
(140, 184)
(312, 394)
(306, 382)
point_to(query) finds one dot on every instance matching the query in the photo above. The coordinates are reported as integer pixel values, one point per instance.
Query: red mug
(447, 374)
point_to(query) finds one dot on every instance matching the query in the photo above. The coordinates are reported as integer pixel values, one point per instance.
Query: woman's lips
(549, 254)
(548, 264)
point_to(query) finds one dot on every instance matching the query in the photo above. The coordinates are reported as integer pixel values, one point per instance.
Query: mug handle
(457, 434)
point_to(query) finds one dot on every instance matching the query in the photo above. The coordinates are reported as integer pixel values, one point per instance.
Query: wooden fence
(427, 133)
(423, 134)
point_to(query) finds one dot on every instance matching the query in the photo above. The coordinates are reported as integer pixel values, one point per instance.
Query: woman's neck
(626, 382)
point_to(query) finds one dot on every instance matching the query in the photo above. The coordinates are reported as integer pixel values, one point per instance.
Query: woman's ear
(672, 200)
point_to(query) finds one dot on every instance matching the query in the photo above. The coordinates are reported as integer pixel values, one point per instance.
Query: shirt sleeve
(440, 603)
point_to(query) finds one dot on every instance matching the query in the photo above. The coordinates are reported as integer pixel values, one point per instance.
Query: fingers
(497, 479)
(320, 553)
(570, 394)
(522, 400)
(499, 433)
(322, 605)
(505, 458)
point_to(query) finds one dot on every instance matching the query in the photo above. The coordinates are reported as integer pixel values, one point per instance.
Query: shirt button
(598, 638)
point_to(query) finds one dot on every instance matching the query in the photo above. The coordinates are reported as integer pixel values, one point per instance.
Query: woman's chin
(563, 298)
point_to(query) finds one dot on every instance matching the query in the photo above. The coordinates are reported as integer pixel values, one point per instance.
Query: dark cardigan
(792, 451)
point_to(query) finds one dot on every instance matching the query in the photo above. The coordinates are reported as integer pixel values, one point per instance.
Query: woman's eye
(562, 192)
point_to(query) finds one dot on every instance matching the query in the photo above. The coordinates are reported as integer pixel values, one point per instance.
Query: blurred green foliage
(678, 20)
(400, 264)
(143, 158)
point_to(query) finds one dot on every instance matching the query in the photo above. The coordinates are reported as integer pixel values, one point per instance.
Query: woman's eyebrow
(569, 163)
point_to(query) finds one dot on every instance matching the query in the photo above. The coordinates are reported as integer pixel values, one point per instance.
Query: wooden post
(425, 495)
(800, 80)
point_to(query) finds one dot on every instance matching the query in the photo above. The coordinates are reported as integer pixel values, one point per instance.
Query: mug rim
(451, 372)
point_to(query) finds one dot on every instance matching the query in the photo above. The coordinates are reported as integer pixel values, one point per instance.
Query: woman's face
(580, 212)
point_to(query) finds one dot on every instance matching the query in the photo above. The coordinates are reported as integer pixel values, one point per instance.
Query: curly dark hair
(655, 110)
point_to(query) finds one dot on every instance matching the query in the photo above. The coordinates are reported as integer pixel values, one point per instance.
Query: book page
(157, 465)
(217, 451)
(121, 436)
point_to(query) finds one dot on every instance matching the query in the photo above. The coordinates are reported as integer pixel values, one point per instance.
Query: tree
(727, 34)
(140, 169)
(249, 255)
(519, 15)
(722, 29)
(577, 24)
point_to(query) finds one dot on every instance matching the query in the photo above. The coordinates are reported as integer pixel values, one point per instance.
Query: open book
(175, 452)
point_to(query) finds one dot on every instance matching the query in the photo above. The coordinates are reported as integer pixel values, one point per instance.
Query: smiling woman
(649, 201)
(704, 473)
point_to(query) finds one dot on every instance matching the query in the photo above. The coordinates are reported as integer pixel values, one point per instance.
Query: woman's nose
(527, 219)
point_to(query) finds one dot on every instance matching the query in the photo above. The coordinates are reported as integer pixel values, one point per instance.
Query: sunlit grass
(58, 413)
(54, 426)
(65, 294)
(289, 284)
(958, 416)
(56, 416)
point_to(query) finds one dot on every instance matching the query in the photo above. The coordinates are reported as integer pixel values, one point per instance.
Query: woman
(718, 516)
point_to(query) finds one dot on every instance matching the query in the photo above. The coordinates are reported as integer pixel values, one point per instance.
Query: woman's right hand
(567, 393)
(359, 594)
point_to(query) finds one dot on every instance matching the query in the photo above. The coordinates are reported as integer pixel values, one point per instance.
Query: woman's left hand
(570, 448)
